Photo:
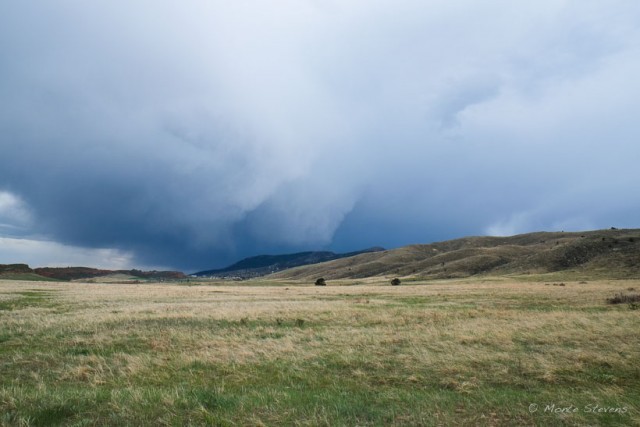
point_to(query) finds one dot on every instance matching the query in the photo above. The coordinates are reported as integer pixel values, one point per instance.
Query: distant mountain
(23, 271)
(603, 253)
(262, 265)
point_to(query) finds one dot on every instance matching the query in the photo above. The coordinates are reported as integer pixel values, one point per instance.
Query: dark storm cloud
(189, 134)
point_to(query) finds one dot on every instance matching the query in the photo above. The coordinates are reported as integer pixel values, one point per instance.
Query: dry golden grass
(588, 254)
(254, 353)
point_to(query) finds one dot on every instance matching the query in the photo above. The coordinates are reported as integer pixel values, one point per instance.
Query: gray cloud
(190, 134)
(15, 218)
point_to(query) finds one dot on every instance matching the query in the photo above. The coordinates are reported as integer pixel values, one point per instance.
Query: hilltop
(601, 253)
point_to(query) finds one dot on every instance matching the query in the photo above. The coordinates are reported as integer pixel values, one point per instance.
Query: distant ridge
(23, 271)
(613, 253)
(261, 265)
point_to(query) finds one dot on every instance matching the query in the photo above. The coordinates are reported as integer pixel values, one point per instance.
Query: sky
(188, 135)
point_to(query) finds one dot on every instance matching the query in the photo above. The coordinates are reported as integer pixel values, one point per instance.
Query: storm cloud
(189, 134)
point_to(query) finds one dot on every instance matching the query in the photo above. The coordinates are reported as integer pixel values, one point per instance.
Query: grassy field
(492, 352)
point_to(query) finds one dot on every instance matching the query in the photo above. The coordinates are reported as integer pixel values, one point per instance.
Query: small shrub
(321, 282)
(395, 282)
(624, 298)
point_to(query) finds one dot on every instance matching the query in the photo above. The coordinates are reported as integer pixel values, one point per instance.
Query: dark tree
(395, 282)
(321, 282)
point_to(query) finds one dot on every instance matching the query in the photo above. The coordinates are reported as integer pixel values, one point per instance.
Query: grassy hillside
(601, 253)
(20, 272)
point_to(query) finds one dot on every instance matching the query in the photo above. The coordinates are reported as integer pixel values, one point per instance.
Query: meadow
(485, 352)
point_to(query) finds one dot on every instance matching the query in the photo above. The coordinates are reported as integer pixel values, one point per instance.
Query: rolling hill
(603, 253)
(24, 272)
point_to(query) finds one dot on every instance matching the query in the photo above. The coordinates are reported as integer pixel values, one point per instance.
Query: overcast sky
(187, 135)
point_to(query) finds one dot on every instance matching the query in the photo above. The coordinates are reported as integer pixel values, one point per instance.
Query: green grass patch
(26, 299)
